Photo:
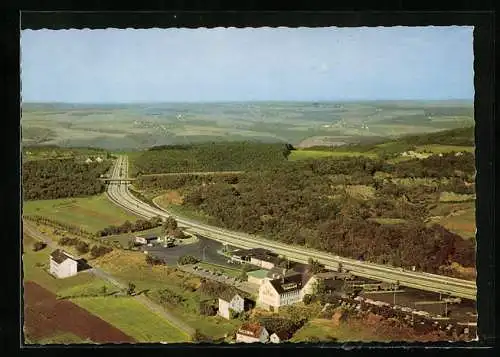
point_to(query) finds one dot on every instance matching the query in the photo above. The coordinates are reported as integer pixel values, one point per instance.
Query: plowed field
(44, 316)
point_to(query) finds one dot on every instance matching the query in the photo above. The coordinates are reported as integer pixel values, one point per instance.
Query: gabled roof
(251, 330)
(229, 294)
(60, 256)
(291, 282)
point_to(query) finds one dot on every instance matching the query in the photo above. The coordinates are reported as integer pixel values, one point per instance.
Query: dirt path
(158, 309)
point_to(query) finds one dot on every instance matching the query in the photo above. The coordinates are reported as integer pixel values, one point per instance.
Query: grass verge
(90, 213)
(131, 317)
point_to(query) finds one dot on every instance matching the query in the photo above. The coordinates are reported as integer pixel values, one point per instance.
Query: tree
(307, 299)
(170, 225)
(243, 276)
(104, 289)
(131, 288)
(187, 259)
(156, 221)
(39, 246)
(314, 266)
(320, 287)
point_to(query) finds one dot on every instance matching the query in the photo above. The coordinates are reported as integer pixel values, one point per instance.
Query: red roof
(251, 330)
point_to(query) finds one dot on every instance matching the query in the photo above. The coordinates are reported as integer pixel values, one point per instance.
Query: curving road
(119, 194)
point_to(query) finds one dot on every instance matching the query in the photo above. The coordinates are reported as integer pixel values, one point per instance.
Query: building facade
(62, 264)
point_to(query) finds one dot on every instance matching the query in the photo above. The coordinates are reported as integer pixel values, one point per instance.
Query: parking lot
(205, 249)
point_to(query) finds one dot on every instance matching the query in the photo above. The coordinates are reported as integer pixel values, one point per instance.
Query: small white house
(88, 161)
(98, 159)
(230, 301)
(62, 264)
(250, 333)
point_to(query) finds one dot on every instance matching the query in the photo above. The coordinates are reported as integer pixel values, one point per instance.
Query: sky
(249, 64)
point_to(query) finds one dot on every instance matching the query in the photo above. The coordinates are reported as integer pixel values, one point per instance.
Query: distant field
(139, 126)
(459, 218)
(441, 149)
(316, 154)
(131, 317)
(91, 213)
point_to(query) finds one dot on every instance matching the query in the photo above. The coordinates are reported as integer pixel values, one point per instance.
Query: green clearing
(225, 270)
(131, 317)
(441, 149)
(459, 218)
(317, 154)
(455, 197)
(362, 192)
(388, 220)
(90, 213)
(324, 330)
(94, 287)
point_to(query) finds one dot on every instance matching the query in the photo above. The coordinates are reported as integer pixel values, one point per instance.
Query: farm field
(133, 318)
(299, 123)
(131, 266)
(91, 213)
(46, 317)
(459, 218)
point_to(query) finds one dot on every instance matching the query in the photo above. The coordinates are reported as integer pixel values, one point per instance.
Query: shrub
(307, 299)
(82, 247)
(99, 250)
(208, 308)
(130, 288)
(68, 241)
(39, 246)
(151, 260)
(187, 259)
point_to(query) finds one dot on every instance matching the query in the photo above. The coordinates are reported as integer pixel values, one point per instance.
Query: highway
(119, 194)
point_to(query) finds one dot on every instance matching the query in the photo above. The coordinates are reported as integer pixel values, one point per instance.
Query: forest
(60, 178)
(323, 204)
(229, 156)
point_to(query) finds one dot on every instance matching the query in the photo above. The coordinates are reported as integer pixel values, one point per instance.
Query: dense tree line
(447, 165)
(231, 156)
(59, 178)
(127, 227)
(173, 182)
(296, 204)
(56, 224)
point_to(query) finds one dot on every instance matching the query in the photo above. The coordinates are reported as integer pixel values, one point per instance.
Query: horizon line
(250, 101)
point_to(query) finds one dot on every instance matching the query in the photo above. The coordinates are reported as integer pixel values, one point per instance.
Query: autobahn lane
(120, 195)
